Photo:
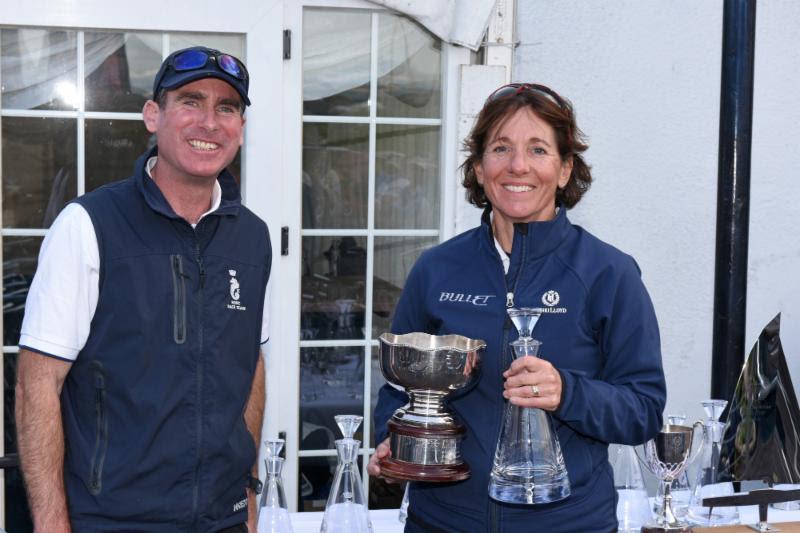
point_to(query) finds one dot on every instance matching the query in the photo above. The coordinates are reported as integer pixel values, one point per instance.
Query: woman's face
(521, 169)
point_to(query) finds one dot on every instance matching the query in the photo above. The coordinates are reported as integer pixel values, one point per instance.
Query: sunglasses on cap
(513, 89)
(196, 59)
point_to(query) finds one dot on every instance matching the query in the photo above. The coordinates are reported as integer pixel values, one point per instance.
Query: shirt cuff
(44, 347)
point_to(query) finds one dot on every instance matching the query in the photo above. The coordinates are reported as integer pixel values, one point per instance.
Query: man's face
(199, 129)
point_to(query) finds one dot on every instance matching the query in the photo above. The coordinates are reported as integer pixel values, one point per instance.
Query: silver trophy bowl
(424, 436)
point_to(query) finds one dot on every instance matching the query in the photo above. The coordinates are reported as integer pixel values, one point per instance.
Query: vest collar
(229, 204)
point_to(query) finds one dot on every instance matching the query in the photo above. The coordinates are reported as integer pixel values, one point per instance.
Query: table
(383, 521)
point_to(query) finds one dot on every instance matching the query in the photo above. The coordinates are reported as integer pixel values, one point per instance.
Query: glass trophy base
(521, 489)
(675, 528)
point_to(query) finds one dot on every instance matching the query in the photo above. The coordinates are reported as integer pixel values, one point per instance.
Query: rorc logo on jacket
(235, 293)
(550, 299)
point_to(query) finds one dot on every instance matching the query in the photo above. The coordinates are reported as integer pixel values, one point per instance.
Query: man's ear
(241, 136)
(150, 114)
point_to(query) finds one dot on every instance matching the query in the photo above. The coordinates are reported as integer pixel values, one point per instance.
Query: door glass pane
(335, 168)
(16, 504)
(229, 43)
(410, 69)
(336, 62)
(316, 478)
(331, 383)
(39, 169)
(382, 495)
(407, 177)
(120, 68)
(112, 147)
(394, 257)
(20, 255)
(38, 69)
(332, 288)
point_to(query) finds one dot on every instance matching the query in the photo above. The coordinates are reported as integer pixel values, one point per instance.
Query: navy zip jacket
(153, 406)
(599, 330)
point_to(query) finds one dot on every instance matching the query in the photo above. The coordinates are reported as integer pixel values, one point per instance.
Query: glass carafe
(633, 507)
(273, 514)
(707, 483)
(346, 510)
(681, 489)
(528, 465)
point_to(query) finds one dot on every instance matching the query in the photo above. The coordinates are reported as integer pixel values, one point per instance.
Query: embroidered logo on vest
(240, 505)
(235, 293)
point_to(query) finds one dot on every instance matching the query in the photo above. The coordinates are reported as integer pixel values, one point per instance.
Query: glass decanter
(346, 510)
(528, 465)
(707, 483)
(681, 490)
(633, 506)
(273, 513)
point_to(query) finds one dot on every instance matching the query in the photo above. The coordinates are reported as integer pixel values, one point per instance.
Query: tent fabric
(459, 22)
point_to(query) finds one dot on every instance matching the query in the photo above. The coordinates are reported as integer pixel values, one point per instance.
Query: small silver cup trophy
(667, 456)
(424, 437)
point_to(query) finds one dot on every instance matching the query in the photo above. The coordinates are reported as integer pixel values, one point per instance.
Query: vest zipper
(199, 382)
(179, 299)
(101, 435)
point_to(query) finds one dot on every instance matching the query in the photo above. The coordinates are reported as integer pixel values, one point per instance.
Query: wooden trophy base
(422, 454)
(404, 471)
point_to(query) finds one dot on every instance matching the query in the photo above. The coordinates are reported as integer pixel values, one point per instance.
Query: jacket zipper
(101, 435)
(199, 382)
(179, 299)
(494, 508)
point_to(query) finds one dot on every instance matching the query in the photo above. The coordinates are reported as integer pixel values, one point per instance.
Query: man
(140, 381)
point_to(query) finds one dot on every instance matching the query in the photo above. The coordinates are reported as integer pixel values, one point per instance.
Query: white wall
(644, 77)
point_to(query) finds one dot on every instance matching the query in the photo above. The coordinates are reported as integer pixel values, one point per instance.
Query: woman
(600, 373)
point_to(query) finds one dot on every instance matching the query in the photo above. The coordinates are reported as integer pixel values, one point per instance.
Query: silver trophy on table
(424, 437)
(666, 456)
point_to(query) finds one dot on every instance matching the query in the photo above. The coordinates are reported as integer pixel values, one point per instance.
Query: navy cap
(198, 62)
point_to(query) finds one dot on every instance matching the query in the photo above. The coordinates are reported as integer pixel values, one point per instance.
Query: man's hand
(254, 418)
(533, 382)
(40, 438)
(252, 513)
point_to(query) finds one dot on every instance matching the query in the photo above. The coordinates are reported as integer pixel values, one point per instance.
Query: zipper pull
(509, 299)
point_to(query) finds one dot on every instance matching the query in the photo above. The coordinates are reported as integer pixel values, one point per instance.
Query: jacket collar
(230, 202)
(537, 238)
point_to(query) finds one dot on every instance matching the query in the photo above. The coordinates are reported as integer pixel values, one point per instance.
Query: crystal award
(273, 514)
(346, 510)
(528, 465)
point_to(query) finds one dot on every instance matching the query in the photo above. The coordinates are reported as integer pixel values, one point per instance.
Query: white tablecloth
(383, 521)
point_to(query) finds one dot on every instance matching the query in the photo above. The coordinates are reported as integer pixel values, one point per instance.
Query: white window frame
(271, 160)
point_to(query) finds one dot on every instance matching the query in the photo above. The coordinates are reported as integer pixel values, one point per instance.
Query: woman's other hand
(381, 452)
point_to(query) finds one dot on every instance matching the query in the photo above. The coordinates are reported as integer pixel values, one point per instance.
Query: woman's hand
(533, 382)
(381, 452)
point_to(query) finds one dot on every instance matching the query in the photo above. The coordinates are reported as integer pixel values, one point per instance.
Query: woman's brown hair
(550, 107)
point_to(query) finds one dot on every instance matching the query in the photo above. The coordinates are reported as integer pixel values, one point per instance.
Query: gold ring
(535, 391)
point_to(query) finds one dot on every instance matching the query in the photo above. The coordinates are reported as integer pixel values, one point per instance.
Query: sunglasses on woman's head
(513, 89)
